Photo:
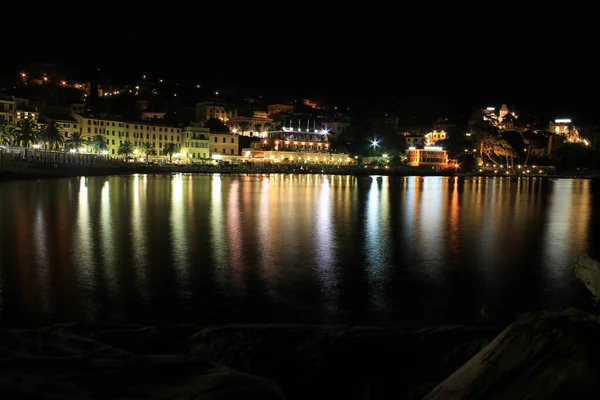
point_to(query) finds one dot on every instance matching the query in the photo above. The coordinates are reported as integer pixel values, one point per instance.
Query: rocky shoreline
(542, 355)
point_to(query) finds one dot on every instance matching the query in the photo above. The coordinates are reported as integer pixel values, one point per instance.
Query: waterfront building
(195, 144)
(66, 124)
(429, 156)
(223, 144)
(255, 123)
(116, 131)
(294, 145)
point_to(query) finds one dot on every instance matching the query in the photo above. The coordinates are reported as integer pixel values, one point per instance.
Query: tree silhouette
(125, 149)
(27, 132)
(169, 150)
(52, 135)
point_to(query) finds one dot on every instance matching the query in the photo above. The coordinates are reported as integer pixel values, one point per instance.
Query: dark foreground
(541, 356)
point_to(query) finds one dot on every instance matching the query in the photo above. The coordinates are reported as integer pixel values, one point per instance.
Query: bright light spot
(434, 148)
(562, 121)
(491, 108)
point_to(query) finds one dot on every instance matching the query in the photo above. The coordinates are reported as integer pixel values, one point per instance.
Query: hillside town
(46, 116)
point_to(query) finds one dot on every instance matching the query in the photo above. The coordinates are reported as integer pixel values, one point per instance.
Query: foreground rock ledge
(541, 356)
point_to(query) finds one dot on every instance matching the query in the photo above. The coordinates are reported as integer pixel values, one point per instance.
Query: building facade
(117, 131)
(431, 157)
(256, 124)
(195, 144)
(223, 144)
(415, 140)
(432, 138)
(294, 145)
(8, 110)
(66, 124)
(213, 109)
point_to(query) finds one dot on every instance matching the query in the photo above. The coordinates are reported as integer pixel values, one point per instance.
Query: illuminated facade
(195, 144)
(257, 121)
(433, 137)
(212, 109)
(8, 109)
(295, 145)
(223, 144)
(27, 114)
(66, 124)
(117, 131)
(564, 127)
(434, 157)
(273, 109)
(415, 140)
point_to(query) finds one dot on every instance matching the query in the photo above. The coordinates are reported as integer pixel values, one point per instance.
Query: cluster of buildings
(277, 134)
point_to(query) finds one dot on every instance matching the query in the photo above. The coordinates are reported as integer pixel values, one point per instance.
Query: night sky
(364, 68)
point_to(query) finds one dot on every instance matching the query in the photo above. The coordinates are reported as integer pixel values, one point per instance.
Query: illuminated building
(433, 137)
(195, 144)
(415, 140)
(66, 124)
(223, 144)
(273, 109)
(564, 127)
(259, 119)
(430, 156)
(312, 104)
(214, 109)
(27, 114)
(116, 131)
(8, 108)
(504, 119)
(295, 145)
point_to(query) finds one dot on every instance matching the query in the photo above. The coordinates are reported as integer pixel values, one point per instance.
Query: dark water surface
(282, 248)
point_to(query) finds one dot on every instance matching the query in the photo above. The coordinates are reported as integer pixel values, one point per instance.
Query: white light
(562, 121)
(434, 148)
(37, 146)
(216, 156)
(412, 148)
(73, 151)
(105, 152)
(491, 108)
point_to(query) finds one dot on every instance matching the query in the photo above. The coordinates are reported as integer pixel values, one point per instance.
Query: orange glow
(303, 143)
(295, 143)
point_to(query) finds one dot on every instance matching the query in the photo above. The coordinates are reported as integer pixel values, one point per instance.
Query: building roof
(119, 118)
(59, 117)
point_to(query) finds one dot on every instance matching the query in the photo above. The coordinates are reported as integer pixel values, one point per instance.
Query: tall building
(8, 109)
(206, 110)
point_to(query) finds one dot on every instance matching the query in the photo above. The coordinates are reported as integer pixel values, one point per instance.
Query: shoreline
(68, 171)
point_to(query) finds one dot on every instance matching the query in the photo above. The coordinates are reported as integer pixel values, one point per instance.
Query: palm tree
(125, 149)
(52, 135)
(148, 149)
(169, 150)
(267, 127)
(75, 141)
(7, 133)
(243, 127)
(27, 132)
(97, 144)
(257, 128)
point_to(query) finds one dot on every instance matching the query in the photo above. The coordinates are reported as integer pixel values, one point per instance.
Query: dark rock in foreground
(541, 356)
(45, 364)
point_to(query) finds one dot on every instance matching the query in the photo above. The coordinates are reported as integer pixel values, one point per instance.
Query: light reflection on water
(293, 248)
